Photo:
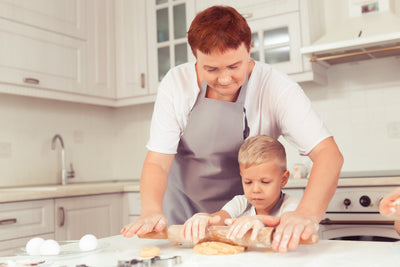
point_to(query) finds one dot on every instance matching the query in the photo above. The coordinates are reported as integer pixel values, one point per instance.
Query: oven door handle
(328, 221)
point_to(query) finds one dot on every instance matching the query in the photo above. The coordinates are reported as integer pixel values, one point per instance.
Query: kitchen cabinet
(279, 30)
(167, 24)
(132, 206)
(63, 50)
(131, 51)
(101, 49)
(100, 215)
(65, 17)
(21, 221)
(39, 61)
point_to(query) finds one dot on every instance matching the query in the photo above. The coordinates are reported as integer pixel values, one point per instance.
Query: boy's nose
(256, 187)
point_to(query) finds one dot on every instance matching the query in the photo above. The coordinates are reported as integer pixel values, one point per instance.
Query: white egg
(88, 242)
(50, 247)
(33, 246)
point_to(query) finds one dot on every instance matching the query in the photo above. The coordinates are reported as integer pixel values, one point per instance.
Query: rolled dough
(217, 248)
(149, 252)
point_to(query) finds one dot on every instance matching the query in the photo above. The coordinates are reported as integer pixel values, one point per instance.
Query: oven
(353, 214)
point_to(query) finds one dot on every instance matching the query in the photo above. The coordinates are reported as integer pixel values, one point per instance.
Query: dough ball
(149, 252)
(50, 247)
(88, 242)
(33, 246)
(217, 248)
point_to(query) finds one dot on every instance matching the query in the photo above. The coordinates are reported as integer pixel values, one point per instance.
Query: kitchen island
(325, 253)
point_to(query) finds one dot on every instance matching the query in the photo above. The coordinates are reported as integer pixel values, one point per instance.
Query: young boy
(262, 162)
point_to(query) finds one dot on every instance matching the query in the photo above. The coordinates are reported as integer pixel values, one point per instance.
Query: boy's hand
(194, 228)
(390, 205)
(240, 226)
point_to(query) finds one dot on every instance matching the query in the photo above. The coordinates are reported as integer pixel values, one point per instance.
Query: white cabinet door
(61, 16)
(100, 215)
(101, 49)
(276, 41)
(131, 47)
(132, 206)
(40, 59)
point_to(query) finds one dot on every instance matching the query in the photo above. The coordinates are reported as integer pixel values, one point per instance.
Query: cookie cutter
(152, 262)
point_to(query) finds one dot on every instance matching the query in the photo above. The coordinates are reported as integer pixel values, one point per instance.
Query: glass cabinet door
(172, 47)
(276, 41)
(168, 23)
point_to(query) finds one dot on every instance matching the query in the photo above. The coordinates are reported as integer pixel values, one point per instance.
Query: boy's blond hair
(261, 148)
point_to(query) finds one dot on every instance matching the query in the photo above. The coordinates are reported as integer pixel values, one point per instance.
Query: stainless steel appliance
(353, 214)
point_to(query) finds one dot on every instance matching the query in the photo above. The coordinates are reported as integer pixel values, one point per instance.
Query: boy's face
(262, 184)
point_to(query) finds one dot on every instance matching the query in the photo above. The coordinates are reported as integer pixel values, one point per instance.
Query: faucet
(64, 173)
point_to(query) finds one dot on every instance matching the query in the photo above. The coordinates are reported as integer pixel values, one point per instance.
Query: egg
(33, 246)
(88, 242)
(50, 247)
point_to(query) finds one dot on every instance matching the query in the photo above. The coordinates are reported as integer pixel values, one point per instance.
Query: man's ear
(285, 178)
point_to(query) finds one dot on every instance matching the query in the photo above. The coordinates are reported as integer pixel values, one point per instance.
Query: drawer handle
(31, 80)
(61, 216)
(8, 221)
(142, 80)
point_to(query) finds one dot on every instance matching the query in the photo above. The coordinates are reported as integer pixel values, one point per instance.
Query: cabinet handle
(8, 221)
(31, 80)
(247, 15)
(61, 216)
(142, 80)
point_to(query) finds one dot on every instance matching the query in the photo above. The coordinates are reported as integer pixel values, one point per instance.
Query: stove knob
(347, 202)
(365, 201)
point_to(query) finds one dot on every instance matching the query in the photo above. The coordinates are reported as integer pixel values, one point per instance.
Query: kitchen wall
(102, 143)
(360, 105)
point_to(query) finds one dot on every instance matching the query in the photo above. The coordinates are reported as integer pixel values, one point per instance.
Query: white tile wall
(360, 105)
(102, 143)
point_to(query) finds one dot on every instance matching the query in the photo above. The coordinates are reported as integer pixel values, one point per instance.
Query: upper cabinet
(39, 60)
(167, 24)
(61, 16)
(131, 51)
(279, 29)
(101, 49)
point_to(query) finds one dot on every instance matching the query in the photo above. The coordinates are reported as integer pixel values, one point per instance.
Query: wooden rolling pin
(218, 233)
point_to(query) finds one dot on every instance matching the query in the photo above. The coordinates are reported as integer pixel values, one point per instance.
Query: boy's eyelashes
(262, 181)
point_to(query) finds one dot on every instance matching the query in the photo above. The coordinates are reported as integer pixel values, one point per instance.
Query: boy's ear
(285, 178)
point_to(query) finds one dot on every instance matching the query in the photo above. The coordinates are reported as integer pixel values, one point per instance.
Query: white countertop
(11, 194)
(326, 253)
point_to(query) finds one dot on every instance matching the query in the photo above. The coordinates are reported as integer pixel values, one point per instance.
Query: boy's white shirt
(239, 206)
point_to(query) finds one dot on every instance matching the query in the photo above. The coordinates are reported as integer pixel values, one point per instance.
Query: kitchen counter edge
(12, 194)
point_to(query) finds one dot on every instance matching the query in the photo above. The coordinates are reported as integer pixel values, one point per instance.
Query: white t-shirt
(239, 206)
(274, 105)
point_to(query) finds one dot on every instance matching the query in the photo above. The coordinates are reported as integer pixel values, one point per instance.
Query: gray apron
(205, 174)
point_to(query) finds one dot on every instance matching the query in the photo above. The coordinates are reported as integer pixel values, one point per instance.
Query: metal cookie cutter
(153, 262)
